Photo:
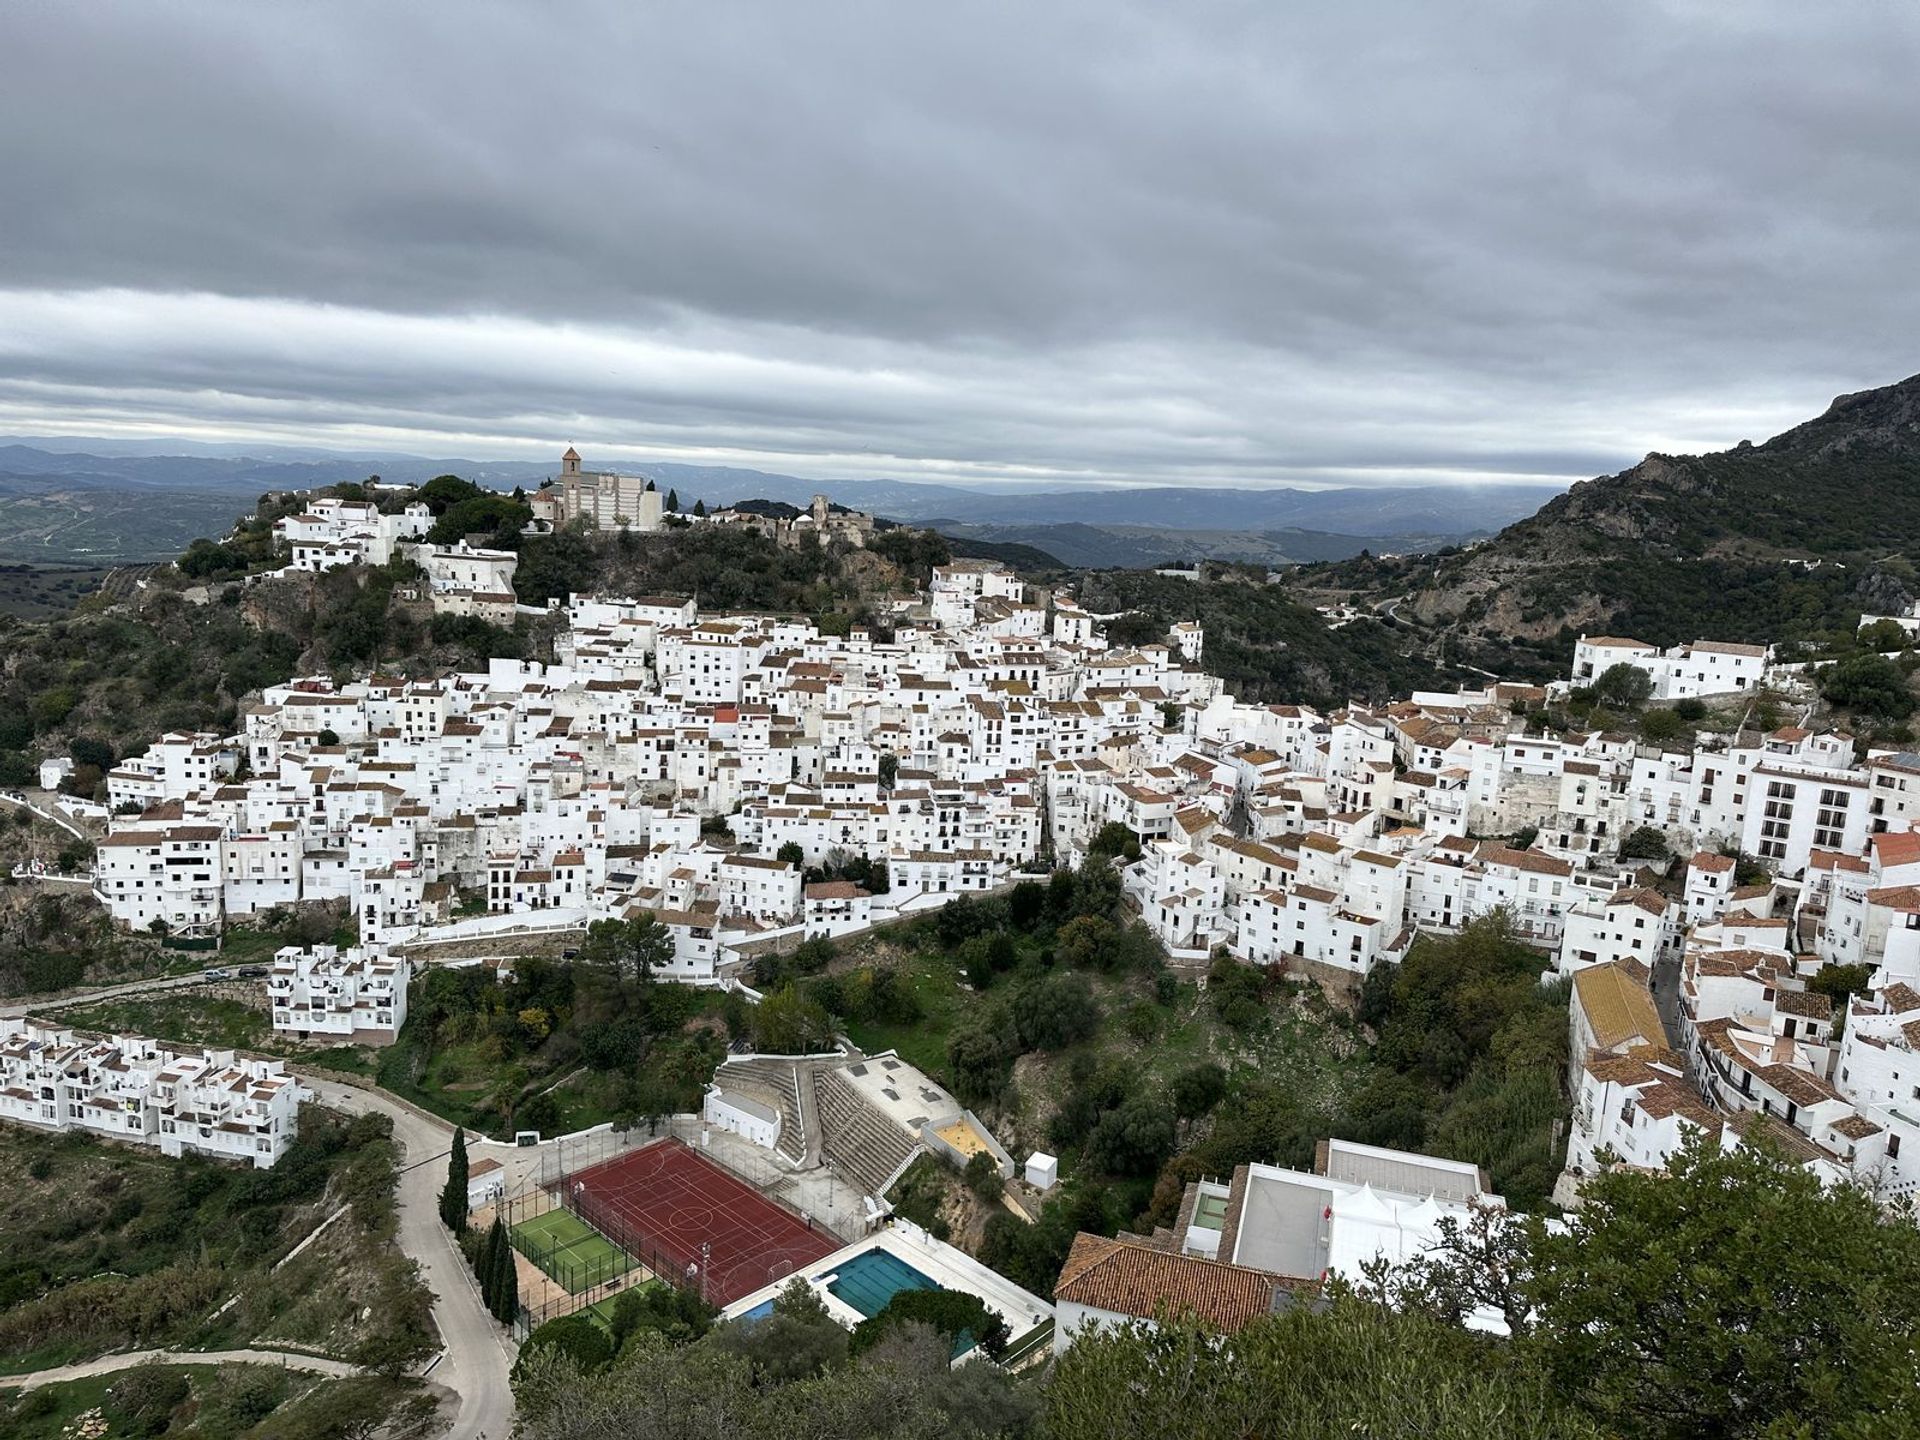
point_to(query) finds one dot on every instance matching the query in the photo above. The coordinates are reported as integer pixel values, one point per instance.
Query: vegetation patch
(562, 1045)
(103, 1246)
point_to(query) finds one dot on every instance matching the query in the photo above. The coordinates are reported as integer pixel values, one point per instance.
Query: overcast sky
(1262, 243)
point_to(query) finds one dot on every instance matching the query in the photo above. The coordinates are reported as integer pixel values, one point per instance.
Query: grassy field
(934, 980)
(190, 1017)
(569, 1250)
(227, 1402)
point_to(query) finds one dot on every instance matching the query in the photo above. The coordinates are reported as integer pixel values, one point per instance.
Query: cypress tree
(506, 1285)
(673, 501)
(453, 1199)
(487, 1268)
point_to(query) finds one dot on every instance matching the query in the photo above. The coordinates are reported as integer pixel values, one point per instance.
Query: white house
(352, 995)
(742, 1116)
(1706, 667)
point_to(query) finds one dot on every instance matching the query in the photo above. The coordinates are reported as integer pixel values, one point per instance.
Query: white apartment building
(1704, 668)
(128, 1088)
(1639, 925)
(330, 533)
(357, 996)
(173, 878)
(469, 580)
(172, 768)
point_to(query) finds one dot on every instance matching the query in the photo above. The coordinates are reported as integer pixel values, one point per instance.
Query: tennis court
(570, 1251)
(688, 1219)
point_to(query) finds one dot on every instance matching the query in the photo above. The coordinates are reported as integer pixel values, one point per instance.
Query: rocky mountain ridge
(1780, 540)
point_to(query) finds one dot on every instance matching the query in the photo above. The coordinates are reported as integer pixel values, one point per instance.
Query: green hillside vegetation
(562, 1046)
(1058, 1021)
(1467, 1064)
(103, 1247)
(1782, 541)
(1264, 643)
(51, 941)
(226, 1402)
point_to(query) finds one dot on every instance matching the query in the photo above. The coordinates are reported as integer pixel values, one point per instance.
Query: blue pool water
(873, 1277)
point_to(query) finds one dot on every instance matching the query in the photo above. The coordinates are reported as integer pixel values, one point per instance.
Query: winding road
(44, 1005)
(127, 1359)
(479, 1354)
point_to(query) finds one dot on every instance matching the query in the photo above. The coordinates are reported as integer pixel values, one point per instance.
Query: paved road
(1666, 999)
(45, 1003)
(127, 1359)
(48, 815)
(479, 1353)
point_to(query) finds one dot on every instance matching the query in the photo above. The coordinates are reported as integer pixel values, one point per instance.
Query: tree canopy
(1733, 1296)
(1870, 684)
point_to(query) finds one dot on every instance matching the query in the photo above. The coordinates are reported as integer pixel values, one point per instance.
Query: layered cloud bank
(1213, 244)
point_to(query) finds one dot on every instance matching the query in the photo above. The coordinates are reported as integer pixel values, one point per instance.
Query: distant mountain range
(62, 502)
(1104, 547)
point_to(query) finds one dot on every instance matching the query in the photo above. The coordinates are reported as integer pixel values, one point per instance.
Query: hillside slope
(1782, 540)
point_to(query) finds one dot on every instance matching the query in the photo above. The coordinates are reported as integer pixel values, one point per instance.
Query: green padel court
(569, 1250)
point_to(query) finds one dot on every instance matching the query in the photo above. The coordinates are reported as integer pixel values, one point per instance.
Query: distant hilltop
(1782, 540)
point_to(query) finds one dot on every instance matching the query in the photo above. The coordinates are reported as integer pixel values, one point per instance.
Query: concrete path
(479, 1352)
(45, 1004)
(127, 1359)
(48, 815)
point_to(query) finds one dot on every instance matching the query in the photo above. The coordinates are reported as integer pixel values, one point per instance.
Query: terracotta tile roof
(1896, 847)
(1652, 901)
(1855, 1127)
(1797, 1085)
(1127, 1279)
(1618, 1010)
(1804, 1003)
(1752, 1125)
(1492, 852)
(1674, 1097)
(1900, 997)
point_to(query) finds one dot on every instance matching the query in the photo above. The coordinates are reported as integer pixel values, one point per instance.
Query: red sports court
(664, 1203)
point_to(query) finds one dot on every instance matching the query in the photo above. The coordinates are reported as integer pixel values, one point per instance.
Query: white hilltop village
(671, 762)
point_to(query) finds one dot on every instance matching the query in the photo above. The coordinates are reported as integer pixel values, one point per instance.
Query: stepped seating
(774, 1083)
(869, 1148)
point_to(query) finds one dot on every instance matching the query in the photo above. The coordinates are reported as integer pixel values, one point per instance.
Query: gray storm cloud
(1222, 243)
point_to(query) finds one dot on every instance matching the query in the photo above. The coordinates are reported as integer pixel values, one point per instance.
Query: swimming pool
(873, 1277)
(1211, 1212)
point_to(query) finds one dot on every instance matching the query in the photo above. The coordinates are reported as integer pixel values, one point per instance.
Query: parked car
(215, 975)
(253, 972)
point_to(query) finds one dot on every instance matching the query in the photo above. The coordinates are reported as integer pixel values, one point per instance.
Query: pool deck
(948, 1267)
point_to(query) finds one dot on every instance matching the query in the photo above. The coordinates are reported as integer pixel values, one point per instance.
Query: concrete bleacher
(861, 1141)
(774, 1083)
